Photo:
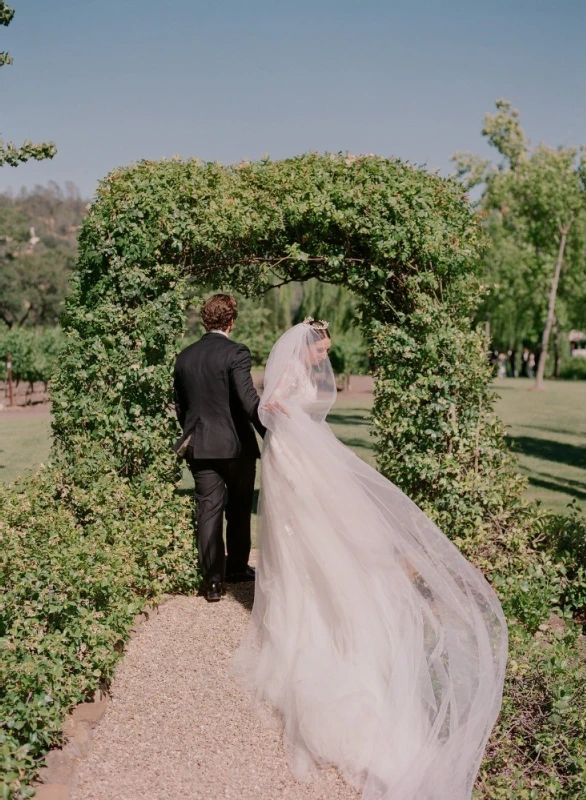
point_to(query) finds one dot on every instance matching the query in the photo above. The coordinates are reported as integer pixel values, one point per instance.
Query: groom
(216, 402)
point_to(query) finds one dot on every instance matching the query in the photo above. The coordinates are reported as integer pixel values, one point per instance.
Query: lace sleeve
(277, 398)
(287, 385)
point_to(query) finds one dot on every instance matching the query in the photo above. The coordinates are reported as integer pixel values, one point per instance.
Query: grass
(548, 432)
(546, 429)
(25, 439)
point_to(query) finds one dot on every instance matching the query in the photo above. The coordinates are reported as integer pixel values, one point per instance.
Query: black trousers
(223, 484)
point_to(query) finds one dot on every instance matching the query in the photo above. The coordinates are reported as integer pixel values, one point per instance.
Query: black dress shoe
(214, 591)
(240, 577)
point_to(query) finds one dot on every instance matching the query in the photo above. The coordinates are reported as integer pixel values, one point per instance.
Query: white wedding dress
(380, 645)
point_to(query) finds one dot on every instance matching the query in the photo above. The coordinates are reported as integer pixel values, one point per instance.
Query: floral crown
(318, 324)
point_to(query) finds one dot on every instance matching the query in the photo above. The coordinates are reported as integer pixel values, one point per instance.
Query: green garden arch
(405, 241)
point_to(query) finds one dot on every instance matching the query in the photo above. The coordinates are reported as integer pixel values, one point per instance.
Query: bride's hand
(274, 405)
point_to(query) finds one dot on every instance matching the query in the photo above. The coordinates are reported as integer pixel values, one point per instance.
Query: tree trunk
(9, 378)
(551, 307)
(21, 321)
(556, 349)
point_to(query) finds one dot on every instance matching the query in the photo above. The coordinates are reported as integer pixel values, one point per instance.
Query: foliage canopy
(38, 245)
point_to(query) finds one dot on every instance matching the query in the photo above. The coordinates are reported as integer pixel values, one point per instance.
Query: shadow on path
(243, 593)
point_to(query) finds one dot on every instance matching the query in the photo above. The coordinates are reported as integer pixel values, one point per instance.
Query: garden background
(426, 281)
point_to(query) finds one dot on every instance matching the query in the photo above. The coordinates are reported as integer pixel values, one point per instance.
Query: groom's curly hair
(218, 312)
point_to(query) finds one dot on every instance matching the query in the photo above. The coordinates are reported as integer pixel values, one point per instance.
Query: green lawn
(24, 442)
(547, 430)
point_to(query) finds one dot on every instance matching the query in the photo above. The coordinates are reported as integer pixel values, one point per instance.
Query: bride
(380, 645)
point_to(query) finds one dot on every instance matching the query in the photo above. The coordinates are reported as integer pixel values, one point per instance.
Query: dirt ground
(24, 399)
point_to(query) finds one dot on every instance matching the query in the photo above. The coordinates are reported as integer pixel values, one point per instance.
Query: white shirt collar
(222, 332)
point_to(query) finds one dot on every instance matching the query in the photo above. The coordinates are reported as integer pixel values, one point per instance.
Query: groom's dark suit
(216, 402)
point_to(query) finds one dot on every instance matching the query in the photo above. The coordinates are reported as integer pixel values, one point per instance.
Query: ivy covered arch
(405, 241)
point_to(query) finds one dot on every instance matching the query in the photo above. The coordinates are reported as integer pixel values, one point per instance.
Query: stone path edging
(58, 778)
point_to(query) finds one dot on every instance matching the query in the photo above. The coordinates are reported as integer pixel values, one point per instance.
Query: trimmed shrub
(538, 747)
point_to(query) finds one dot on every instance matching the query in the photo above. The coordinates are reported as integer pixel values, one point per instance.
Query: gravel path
(178, 726)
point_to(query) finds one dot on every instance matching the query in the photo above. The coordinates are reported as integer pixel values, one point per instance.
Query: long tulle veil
(380, 645)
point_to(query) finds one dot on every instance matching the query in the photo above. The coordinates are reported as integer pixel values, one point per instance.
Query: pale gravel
(178, 726)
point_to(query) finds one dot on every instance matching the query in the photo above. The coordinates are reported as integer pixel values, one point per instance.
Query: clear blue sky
(113, 81)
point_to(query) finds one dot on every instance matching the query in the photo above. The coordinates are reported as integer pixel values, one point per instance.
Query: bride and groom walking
(380, 645)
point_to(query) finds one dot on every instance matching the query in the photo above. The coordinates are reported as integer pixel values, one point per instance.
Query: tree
(535, 202)
(33, 286)
(37, 250)
(514, 307)
(10, 153)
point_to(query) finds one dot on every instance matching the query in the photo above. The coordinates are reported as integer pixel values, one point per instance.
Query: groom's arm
(180, 408)
(244, 387)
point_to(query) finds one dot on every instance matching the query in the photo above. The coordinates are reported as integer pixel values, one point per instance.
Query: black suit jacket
(215, 399)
